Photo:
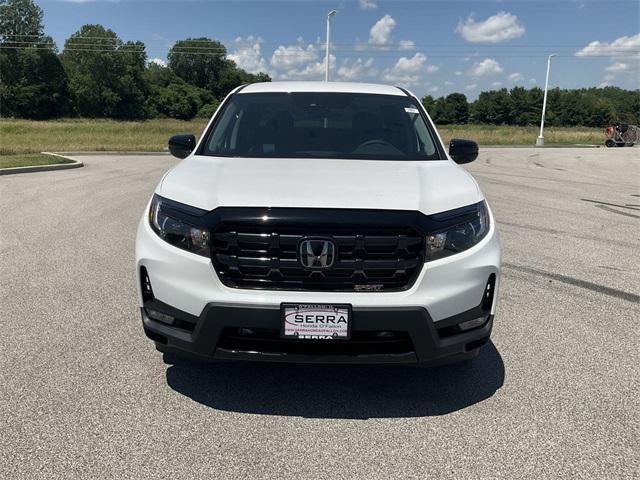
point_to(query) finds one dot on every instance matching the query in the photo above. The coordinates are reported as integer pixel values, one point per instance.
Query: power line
(355, 44)
(126, 50)
(470, 52)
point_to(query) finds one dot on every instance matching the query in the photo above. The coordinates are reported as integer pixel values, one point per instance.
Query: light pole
(330, 15)
(540, 139)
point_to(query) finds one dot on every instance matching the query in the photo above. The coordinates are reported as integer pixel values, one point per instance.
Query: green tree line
(99, 75)
(589, 107)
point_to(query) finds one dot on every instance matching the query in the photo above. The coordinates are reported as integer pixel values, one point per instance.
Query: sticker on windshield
(411, 110)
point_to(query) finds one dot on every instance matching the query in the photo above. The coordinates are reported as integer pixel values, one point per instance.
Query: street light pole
(328, 57)
(540, 139)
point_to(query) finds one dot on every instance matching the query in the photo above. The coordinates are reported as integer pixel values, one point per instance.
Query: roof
(333, 87)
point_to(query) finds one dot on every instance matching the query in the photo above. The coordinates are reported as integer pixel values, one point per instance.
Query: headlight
(176, 232)
(459, 237)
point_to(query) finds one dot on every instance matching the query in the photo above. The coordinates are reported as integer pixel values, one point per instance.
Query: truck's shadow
(355, 392)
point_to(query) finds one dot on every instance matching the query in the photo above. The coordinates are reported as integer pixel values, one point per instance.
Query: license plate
(316, 322)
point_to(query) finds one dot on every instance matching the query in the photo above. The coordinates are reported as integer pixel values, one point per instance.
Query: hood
(425, 186)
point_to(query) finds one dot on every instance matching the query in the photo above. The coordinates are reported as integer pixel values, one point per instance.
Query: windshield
(321, 125)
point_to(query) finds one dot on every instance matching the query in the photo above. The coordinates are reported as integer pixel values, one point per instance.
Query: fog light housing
(159, 316)
(145, 285)
(470, 324)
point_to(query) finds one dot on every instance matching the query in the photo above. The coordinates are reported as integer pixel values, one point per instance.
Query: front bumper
(446, 292)
(216, 335)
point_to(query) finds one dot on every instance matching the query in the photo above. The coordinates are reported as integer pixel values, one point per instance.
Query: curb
(43, 168)
(86, 153)
(562, 145)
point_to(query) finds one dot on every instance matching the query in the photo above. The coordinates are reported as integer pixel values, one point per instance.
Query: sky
(429, 47)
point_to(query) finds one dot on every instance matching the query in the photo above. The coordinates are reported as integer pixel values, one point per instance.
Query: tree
(20, 22)
(33, 83)
(207, 110)
(428, 102)
(202, 62)
(158, 75)
(105, 73)
(457, 108)
(177, 100)
(440, 112)
(171, 96)
(452, 109)
(526, 106)
(199, 61)
(492, 107)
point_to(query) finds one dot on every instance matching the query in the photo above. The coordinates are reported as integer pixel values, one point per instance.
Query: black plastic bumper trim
(428, 346)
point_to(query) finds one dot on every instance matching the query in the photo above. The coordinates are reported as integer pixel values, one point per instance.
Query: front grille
(367, 258)
(266, 340)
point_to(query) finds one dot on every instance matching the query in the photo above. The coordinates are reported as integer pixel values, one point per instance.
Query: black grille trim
(379, 250)
(367, 257)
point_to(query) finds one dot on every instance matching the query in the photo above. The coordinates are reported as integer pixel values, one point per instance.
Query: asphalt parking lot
(555, 395)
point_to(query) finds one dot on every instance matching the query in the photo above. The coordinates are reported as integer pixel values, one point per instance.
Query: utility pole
(330, 15)
(540, 139)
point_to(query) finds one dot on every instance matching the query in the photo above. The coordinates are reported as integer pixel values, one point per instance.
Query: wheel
(620, 144)
(609, 143)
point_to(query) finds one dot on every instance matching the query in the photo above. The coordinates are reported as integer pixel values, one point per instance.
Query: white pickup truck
(319, 222)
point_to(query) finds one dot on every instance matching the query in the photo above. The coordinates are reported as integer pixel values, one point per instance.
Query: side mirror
(181, 146)
(463, 151)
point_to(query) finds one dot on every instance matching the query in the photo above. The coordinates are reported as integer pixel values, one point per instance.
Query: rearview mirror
(463, 151)
(181, 146)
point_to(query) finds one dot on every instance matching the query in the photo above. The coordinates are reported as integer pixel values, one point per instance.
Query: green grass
(512, 135)
(26, 136)
(30, 159)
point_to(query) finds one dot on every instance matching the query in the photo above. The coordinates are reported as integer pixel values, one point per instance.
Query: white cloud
(248, 54)
(293, 56)
(624, 54)
(473, 86)
(619, 47)
(311, 71)
(488, 66)
(411, 65)
(617, 67)
(380, 33)
(407, 71)
(301, 61)
(368, 5)
(457, 73)
(516, 77)
(356, 70)
(434, 89)
(532, 80)
(496, 84)
(604, 84)
(498, 28)
(432, 68)
(406, 45)
(609, 77)
(158, 61)
(448, 83)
